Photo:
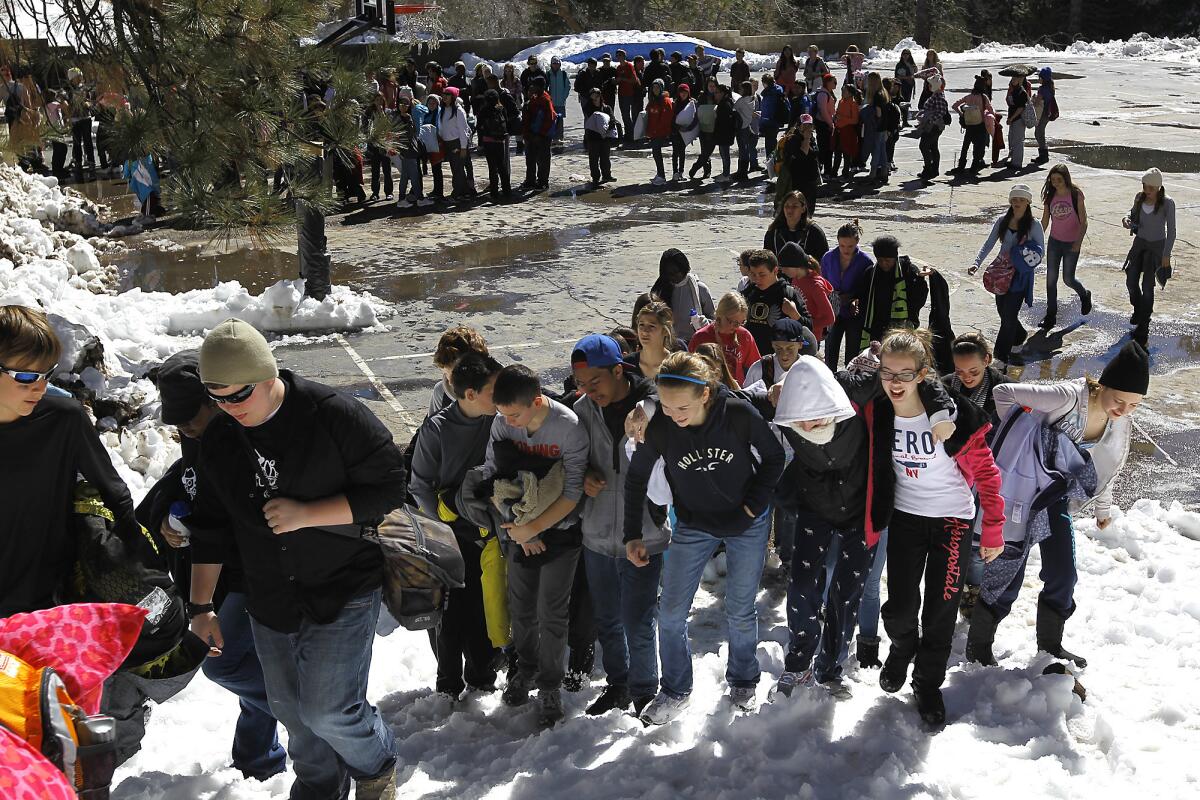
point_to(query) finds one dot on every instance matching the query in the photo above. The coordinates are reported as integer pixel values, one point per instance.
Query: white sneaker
(663, 709)
(743, 698)
(658, 180)
(405, 204)
(424, 202)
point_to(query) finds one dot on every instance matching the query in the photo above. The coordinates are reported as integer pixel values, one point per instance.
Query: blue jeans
(747, 150)
(625, 608)
(691, 548)
(317, 684)
(1060, 253)
(814, 586)
(256, 749)
(879, 158)
(868, 609)
(1059, 574)
(410, 179)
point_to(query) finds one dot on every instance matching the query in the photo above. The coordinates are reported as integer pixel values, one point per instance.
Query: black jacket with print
(319, 444)
(710, 468)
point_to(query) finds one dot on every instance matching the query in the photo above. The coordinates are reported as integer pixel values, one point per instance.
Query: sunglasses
(27, 377)
(240, 396)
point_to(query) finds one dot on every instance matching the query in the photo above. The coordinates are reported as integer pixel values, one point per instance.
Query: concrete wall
(449, 50)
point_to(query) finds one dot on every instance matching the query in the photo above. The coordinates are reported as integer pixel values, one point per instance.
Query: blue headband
(687, 378)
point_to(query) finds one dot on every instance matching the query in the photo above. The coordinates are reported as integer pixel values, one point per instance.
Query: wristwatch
(196, 609)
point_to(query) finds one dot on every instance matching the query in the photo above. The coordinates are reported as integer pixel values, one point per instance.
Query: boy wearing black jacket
(298, 473)
(770, 297)
(896, 291)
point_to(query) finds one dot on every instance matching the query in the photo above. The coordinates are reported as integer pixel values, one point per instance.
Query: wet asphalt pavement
(537, 274)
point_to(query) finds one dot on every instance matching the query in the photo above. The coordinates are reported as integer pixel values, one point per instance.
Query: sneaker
(551, 707)
(743, 698)
(892, 676)
(381, 787)
(676, 177)
(931, 707)
(516, 693)
(723, 178)
(608, 179)
(1085, 304)
(658, 180)
(389, 197)
(663, 708)
(837, 688)
(787, 684)
(612, 697)
(424, 202)
(405, 204)
(373, 197)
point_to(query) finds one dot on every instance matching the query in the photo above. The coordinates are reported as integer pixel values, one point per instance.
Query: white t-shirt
(928, 482)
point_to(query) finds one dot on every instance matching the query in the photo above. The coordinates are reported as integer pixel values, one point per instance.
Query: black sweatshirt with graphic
(710, 468)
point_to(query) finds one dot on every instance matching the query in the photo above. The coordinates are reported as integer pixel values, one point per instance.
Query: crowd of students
(815, 126)
(590, 514)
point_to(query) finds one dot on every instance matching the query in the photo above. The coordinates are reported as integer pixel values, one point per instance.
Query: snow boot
(1050, 624)
(981, 635)
(1058, 668)
(867, 652)
(381, 787)
(612, 697)
(516, 693)
(970, 597)
(893, 675)
(931, 707)
(550, 709)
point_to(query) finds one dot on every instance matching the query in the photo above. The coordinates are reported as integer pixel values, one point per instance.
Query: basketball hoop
(415, 22)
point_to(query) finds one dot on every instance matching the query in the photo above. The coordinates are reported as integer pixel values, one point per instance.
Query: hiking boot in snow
(787, 684)
(381, 787)
(893, 675)
(640, 703)
(664, 708)
(517, 691)
(550, 708)
(1058, 668)
(981, 635)
(931, 707)
(612, 697)
(743, 698)
(1049, 629)
(966, 605)
(837, 688)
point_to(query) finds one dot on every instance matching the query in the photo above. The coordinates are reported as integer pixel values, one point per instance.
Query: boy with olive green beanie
(297, 471)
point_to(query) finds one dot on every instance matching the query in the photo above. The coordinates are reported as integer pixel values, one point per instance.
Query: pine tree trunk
(924, 27)
(1075, 19)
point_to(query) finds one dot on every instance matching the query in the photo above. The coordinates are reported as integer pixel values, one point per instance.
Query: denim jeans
(1016, 143)
(317, 686)
(879, 159)
(691, 548)
(1060, 253)
(1059, 573)
(815, 586)
(625, 608)
(256, 749)
(410, 179)
(747, 144)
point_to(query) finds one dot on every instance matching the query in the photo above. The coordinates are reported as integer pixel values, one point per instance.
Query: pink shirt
(1064, 222)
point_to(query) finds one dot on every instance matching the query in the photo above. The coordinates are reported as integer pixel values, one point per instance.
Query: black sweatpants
(599, 158)
(975, 138)
(929, 150)
(496, 154)
(825, 149)
(936, 549)
(461, 637)
(581, 624)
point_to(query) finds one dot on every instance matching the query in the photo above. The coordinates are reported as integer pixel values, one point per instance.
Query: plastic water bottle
(180, 510)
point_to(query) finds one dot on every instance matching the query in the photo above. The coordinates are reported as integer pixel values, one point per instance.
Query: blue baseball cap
(787, 330)
(596, 350)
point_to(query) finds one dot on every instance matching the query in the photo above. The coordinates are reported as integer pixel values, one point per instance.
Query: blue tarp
(634, 49)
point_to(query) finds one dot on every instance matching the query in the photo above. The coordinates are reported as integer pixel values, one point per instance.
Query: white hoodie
(810, 392)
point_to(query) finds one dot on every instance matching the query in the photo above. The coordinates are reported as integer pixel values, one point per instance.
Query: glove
(867, 361)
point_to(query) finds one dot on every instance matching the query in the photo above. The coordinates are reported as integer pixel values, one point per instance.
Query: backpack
(1030, 116)
(998, 276)
(1028, 486)
(36, 707)
(971, 115)
(421, 563)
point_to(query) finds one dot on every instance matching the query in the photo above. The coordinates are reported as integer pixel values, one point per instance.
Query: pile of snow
(574, 50)
(111, 339)
(1012, 730)
(1140, 46)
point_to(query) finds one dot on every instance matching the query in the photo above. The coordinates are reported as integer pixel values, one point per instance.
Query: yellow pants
(495, 593)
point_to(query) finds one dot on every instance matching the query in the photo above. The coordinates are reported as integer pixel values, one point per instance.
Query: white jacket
(1066, 404)
(454, 126)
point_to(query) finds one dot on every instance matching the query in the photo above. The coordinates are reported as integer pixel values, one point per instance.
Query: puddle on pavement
(112, 193)
(1124, 157)
(154, 270)
(1172, 344)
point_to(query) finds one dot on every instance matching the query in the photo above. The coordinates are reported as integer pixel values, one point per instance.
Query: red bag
(998, 276)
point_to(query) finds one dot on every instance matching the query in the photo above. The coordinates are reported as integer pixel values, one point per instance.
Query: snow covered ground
(1012, 731)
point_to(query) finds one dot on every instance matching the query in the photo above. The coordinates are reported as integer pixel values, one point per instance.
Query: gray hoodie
(604, 514)
(448, 445)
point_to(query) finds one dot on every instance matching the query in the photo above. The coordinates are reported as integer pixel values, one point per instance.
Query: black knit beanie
(1129, 371)
(792, 255)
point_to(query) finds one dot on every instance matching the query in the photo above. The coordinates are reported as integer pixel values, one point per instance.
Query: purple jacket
(850, 283)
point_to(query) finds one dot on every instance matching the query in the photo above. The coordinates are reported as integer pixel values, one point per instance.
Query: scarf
(979, 395)
(818, 436)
